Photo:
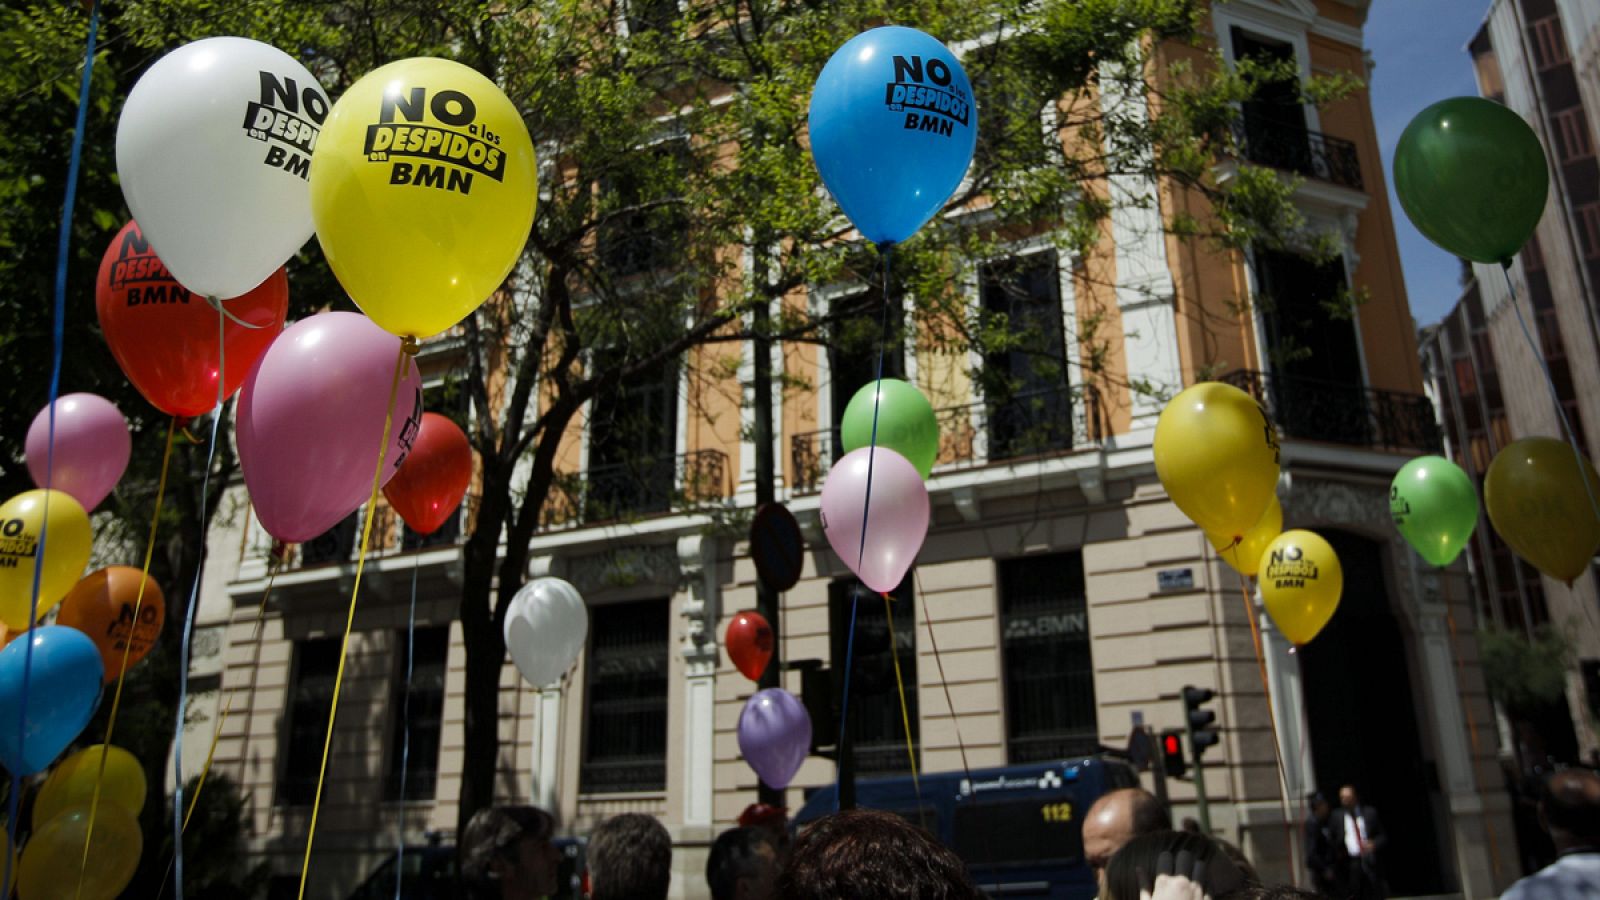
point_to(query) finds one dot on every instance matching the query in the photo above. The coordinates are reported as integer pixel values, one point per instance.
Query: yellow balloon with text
(72, 782)
(67, 542)
(423, 185)
(53, 857)
(1217, 455)
(1301, 581)
(1244, 555)
(1543, 505)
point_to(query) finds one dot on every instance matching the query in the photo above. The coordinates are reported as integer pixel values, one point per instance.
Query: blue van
(1018, 828)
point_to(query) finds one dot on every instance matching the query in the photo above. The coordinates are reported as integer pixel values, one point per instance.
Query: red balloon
(165, 337)
(749, 641)
(433, 477)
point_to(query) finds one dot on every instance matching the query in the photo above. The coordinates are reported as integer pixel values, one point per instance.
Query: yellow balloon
(66, 552)
(423, 185)
(1245, 557)
(1217, 456)
(72, 783)
(1301, 581)
(1539, 503)
(53, 857)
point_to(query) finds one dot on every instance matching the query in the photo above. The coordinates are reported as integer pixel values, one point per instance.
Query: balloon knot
(409, 345)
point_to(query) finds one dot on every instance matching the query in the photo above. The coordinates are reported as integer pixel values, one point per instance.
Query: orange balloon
(101, 606)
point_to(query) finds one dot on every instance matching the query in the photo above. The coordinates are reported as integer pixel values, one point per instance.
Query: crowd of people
(1128, 842)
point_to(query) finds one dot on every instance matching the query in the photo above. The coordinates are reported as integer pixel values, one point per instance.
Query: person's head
(1139, 862)
(774, 820)
(505, 853)
(864, 854)
(1319, 805)
(630, 858)
(1254, 891)
(1348, 798)
(1117, 818)
(743, 865)
(1570, 808)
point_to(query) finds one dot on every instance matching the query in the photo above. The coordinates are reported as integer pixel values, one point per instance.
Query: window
(853, 345)
(1029, 401)
(450, 398)
(651, 15)
(1589, 229)
(1049, 671)
(1572, 134)
(316, 664)
(1549, 46)
(1313, 348)
(430, 651)
(334, 545)
(625, 738)
(876, 728)
(1013, 122)
(1274, 118)
(642, 235)
(633, 442)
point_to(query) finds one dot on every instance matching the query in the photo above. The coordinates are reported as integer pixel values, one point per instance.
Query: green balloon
(1435, 506)
(1471, 176)
(906, 423)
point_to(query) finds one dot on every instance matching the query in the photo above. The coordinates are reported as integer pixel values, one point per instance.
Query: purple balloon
(896, 525)
(311, 418)
(774, 735)
(91, 448)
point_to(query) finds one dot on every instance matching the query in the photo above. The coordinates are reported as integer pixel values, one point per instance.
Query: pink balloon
(896, 525)
(91, 448)
(311, 417)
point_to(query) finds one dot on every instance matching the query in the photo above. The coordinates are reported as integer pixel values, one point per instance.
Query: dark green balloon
(1435, 506)
(906, 422)
(1471, 176)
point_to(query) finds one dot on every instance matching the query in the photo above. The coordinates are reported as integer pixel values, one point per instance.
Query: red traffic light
(1171, 745)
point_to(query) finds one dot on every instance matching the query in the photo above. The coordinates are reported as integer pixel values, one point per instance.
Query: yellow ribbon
(905, 713)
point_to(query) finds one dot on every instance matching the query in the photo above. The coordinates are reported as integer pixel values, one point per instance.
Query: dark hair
(1571, 803)
(1254, 891)
(865, 854)
(495, 831)
(1137, 861)
(630, 858)
(732, 856)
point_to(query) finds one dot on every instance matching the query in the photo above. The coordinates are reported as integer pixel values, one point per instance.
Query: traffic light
(1199, 720)
(1172, 752)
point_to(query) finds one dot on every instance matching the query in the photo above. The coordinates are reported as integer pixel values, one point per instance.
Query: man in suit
(1359, 833)
(1324, 855)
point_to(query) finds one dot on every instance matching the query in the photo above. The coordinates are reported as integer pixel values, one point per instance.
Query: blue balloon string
(58, 339)
(866, 510)
(188, 617)
(405, 724)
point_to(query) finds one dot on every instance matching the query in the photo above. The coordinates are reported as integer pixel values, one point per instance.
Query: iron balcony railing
(1294, 149)
(1317, 410)
(1026, 425)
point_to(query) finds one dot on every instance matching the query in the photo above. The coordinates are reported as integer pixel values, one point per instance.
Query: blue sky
(1419, 48)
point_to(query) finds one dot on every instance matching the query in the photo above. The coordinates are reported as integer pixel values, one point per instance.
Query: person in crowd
(505, 854)
(743, 865)
(1325, 857)
(630, 858)
(1170, 865)
(1570, 812)
(1116, 818)
(865, 854)
(774, 820)
(1359, 832)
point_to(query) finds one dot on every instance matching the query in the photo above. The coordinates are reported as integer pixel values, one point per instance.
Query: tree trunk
(485, 648)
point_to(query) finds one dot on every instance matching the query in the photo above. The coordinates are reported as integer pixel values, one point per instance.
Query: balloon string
(189, 615)
(1555, 396)
(1272, 716)
(402, 364)
(127, 646)
(405, 722)
(900, 685)
(219, 307)
(58, 337)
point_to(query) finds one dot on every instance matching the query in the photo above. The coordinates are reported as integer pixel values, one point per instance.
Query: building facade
(1058, 594)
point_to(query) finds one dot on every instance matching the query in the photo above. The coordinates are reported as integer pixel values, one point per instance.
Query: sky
(1419, 51)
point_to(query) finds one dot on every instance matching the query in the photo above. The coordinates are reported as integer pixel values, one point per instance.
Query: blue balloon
(893, 127)
(63, 690)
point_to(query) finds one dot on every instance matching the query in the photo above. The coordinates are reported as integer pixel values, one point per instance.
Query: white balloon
(214, 151)
(546, 628)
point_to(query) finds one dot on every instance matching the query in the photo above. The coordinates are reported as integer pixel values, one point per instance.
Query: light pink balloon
(311, 417)
(92, 447)
(896, 524)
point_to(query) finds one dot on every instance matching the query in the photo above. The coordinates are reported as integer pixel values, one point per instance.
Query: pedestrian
(865, 854)
(1117, 818)
(743, 865)
(1360, 833)
(630, 858)
(1570, 812)
(1324, 855)
(505, 854)
(1193, 866)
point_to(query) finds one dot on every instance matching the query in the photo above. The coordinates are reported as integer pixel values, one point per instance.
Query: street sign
(776, 546)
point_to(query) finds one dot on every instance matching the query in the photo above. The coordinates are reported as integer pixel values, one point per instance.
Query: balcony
(1031, 425)
(1316, 410)
(1294, 149)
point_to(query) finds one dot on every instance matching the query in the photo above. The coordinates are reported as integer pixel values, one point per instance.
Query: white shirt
(1573, 875)
(1353, 836)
